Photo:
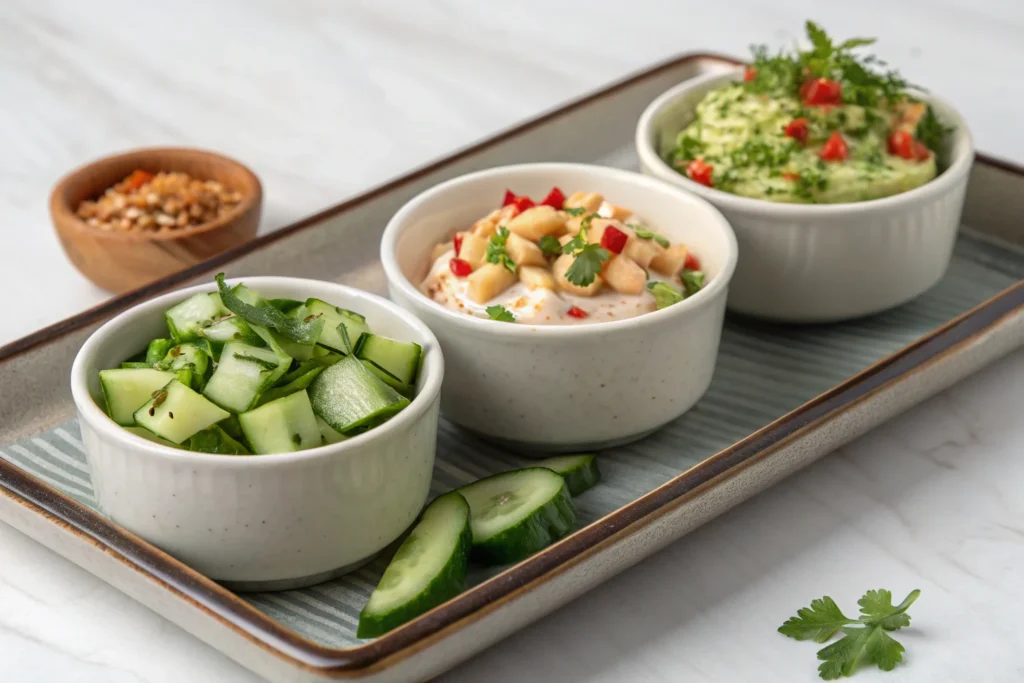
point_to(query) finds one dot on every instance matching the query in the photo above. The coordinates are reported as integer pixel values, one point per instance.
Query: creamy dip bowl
(564, 387)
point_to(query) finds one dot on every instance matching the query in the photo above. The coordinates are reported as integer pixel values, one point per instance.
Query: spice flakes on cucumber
(239, 374)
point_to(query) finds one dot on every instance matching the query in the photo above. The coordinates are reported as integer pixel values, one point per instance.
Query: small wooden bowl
(121, 261)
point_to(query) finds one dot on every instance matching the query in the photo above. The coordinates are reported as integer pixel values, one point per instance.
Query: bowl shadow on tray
(694, 591)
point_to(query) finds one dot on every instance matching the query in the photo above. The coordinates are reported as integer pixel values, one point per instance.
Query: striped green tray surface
(763, 372)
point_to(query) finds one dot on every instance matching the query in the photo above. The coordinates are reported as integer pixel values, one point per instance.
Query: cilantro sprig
(589, 257)
(550, 245)
(500, 313)
(865, 639)
(645, 234)
(497, 252)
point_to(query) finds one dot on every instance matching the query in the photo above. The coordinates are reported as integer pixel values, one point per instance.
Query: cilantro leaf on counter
(693, 281)
(550, 245)
(587, 265)
(501, 314)
(865, 639)
(496, 252)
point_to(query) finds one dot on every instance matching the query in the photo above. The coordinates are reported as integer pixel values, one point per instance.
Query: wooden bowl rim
(63, 214)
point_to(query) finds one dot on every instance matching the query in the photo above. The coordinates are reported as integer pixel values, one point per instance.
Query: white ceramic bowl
(566, 388)
(824, 262)
(267, 521)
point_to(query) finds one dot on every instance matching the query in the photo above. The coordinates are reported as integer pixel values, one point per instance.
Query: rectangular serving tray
(782, 397)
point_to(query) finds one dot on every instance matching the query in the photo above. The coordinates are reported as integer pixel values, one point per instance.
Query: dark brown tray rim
(248, 622)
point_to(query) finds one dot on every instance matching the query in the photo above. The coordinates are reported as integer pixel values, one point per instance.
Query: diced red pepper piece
(901, 144)
(790, 175)
(521, 202)
(749, 74)
(577, 312)
(921, 151)
(700, 172)
(835, 148)
(797, 129)
(510, 198)
(458, 242)
(691, 262)
(460, 268)
(613, 239)
(137, 179)
(822, 91)
(555, 199)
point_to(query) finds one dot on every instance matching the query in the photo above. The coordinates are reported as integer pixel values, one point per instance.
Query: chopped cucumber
(150, 436)
(329, 434)
(305, 366)
(406, 390)
(516, 514)
(399, 359)
(299, 352)
(188, 356)
(199, 310)
(216, 440)
(282, 426)
(125, 389)
(341, 327)
(157, 349)
(350, 398)
(579, 471)
(135, 365)
(228, 329)
(244, 372)
(428, 569)
(282, 390)
(284, 305)
(176, 412)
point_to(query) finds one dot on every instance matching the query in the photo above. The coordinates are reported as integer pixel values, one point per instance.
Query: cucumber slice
(188, 356)
(136, 364)
(228, 329)
(299, 352)
(330, 358)
(150, 436)
(428, 569)
(157, 349)
(176, 412)
(350, 398)
(282, 390)
(216, 440)
(341, 327)
(516, 514)
(125, 389)
(282, 426)
(406, 390)
(244, 372)
(329, 434)
(199, 310)
(579, 471)
(399, 359)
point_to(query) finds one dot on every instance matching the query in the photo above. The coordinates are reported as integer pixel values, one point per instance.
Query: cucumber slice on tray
(579, 471)
(516, 514)
(428, 569)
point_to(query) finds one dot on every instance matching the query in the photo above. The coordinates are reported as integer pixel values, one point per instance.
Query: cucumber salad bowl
(270, 434)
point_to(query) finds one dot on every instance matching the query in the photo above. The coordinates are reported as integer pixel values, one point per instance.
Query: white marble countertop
(324, 99)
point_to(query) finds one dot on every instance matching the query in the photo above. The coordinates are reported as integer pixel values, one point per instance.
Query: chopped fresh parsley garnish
(693, 280)
(865, 639)
(550, 245)
(587, 265)
(664, 294)
(645, 234)
(808, 182)
(687, 148)
(575, 211)
(500, 313)
(496, 252)
(931, 131)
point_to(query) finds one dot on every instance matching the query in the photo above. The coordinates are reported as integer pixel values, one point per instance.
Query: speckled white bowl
(566, 388)
(269, 521)
(823, 262)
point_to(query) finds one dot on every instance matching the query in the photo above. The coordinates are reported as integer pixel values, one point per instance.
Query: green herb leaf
(819, 622)
(268, 316)
(693, 280)
(645, 234)
(574, 245)
(550, 245)
(587, 265)
(931, 131)
(500, 313)
(496, 252)
(688, 148)
(262, 362)
(575, 211)
(664, 294)
(876, 605)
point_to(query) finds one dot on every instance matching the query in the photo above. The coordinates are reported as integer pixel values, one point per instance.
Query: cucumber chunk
(150, 436)
(579, 471)
(516, 514)
(329, 434)
(176, 412)
(282, 426)
(188, 356)
(282, 390)
(428, 569)
(199, 310)
(330, 358)
(244, 372)
(284, 305)
(135, 364)
(350, 398)
(157, 349)
(125, 389)
(399, 359)
(406, 390)
(228, 329)
(216, 440)
(341, 327)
